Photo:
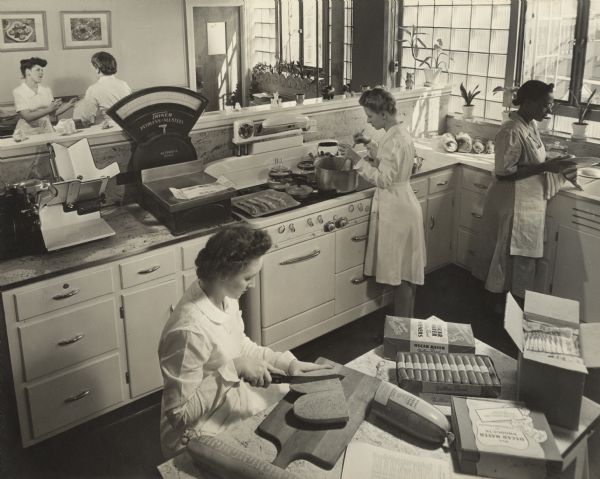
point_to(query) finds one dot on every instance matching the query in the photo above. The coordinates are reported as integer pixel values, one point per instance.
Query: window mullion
(578, 65)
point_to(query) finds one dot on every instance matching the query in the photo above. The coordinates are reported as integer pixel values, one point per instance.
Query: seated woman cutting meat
(214, 375)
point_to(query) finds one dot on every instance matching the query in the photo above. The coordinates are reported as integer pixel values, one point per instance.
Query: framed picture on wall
(23, 31)
(85, 29)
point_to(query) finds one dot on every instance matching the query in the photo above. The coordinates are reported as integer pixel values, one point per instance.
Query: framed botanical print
(23, 31)
(85, 29)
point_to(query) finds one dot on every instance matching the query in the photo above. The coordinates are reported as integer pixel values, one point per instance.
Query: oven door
(297, 278)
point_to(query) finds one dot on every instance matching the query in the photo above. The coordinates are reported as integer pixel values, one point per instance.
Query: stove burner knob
(310, 222)
(292, 228)
(329, 226)
(320, 219)
(343, 221)
(360, 207)
(351, 208)
(281, 229)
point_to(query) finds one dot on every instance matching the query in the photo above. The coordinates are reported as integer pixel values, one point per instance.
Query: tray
(264, 202)
(448, 373)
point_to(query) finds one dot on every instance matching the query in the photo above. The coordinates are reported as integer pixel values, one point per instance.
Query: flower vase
(432, 76)
(468, 112)
(579, 131)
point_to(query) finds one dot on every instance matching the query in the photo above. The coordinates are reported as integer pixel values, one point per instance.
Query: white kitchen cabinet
(350, 246)
(577, 269)
(440, 221)
(353, 288)
(145, 312)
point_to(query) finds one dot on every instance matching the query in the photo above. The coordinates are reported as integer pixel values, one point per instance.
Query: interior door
(218, 53)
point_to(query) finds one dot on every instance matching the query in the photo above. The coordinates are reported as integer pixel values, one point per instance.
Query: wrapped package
(489, 146)
(465, 142)
(478, 146)
(449, 142)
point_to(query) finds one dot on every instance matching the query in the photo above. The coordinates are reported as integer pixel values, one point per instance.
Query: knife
(282, 378)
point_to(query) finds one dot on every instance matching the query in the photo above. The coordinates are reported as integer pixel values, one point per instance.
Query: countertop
(372, 430)
(137, 231)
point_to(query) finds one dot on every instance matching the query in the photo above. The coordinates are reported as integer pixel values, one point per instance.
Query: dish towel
(554, 182)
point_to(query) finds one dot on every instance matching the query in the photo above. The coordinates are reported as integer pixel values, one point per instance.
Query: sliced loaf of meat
(325, 407)
(317, 386)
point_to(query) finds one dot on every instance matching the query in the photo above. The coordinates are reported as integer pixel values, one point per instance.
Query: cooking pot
(335, 173)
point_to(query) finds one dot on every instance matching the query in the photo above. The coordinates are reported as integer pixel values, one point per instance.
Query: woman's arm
(525, 171)
(32, 115)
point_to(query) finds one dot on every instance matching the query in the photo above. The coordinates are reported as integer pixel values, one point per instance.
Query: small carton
(430, 335)
(549, 379)
(504, 439)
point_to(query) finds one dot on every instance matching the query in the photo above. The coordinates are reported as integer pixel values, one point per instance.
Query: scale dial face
(158, 111)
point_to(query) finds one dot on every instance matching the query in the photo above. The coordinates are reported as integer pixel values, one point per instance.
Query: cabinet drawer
(350, 246)
(61, 292)
(149, 267)
(419, 187)
(69, 338)
(353, 288)
(72, 396)
(476, 181)
(465, 249)
(190, 250)
(471, 209)
(441, 181)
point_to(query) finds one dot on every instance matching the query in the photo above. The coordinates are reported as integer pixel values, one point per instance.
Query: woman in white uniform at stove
(214, 375)
(396, 245)
(34, 102)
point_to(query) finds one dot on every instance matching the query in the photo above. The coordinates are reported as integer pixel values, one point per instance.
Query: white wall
(147, 39)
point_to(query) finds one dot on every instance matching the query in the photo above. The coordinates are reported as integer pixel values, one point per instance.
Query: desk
(571, 444)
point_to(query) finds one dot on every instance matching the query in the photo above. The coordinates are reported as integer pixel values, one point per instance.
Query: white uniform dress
(103, 94)
(396, 244)
(202, 390)
(27, 99)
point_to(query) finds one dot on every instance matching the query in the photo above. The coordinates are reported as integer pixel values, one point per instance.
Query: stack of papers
(198, 191)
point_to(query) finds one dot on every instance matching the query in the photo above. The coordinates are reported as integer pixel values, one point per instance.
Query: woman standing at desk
(34, 102)
(213, 373)
(512, 229)
(396, 245)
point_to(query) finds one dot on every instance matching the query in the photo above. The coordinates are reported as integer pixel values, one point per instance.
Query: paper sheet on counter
(364, 461)
(197, 191)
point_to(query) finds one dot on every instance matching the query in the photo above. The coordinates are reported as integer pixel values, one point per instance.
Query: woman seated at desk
(103, 94)
(33, 102)
(212, 371)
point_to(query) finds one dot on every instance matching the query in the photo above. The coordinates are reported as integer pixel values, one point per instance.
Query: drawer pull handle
(476, 215)
(585, 226)
(314, 254)
(74, 339)
(358, 238)
(480, 186)
(73, 292)
(79, 396)
(415, 191)
(152, 269)
(171, 308)
(431, 222)
(359, 280)
(442, 183)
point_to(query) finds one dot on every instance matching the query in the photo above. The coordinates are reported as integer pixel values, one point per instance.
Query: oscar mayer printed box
(430, 335)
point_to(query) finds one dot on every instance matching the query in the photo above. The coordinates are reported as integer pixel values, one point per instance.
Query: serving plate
(589, 172)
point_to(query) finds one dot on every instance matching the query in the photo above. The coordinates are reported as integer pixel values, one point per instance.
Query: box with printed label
(430, 335)
(555, 352)
(504, 439)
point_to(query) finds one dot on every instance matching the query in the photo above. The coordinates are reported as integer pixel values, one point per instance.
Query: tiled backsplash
(425, 117)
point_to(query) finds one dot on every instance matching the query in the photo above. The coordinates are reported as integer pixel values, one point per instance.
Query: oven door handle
(314, 254)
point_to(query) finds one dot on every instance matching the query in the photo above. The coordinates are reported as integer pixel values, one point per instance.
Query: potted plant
(436, 63)
(286, 78)
(583, 110)
(468, 97)
(513, 91)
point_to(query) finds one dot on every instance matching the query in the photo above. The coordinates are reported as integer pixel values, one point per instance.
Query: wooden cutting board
(319, 444)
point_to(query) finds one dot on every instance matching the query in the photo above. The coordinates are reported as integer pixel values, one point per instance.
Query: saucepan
(335, 172)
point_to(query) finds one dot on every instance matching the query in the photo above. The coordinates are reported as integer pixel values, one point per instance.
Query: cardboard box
(553, 383)
(430, 335)
(504, 439)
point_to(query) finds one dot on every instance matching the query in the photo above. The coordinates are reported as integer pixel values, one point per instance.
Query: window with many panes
(562, 46)
(475, 33)
(264, 32)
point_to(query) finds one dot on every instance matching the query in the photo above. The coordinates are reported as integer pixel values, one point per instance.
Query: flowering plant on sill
(436, 63)
(583, 109)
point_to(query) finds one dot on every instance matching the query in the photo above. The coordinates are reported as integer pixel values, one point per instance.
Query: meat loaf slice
(317, 386)
(325, 407)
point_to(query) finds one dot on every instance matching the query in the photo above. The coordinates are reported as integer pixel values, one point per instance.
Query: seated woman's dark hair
(532, 90)
(378, 100)
(29, 63)
(104, 62)
(231, 250)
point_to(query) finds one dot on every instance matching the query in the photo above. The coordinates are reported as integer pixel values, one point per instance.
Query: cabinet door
(440, 219)
(145, 312)
(350, 245)
(297, 278)
(577, 270)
